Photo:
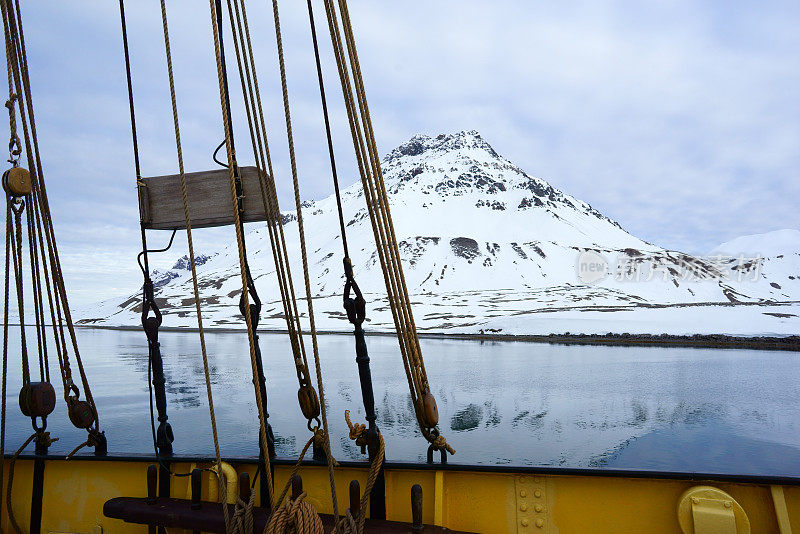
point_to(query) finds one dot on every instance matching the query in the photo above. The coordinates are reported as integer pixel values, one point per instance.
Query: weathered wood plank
(178, 513)
(209, 194)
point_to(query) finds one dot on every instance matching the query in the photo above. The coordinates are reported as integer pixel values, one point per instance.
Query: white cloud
(679, 119)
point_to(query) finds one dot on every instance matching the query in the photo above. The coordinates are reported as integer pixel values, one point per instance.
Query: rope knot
(13, 97)
(358, 431)
(242, 520)
(14, 145)
(319, 437)
(348, 524)
(295, 516)
(439, 443)
(44, 439)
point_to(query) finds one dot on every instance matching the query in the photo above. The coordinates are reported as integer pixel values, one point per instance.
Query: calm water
(683, 409)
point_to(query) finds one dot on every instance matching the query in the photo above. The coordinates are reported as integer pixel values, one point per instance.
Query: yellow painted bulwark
(75, 491)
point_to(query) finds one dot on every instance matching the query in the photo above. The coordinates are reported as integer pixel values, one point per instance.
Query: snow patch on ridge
(487, 247)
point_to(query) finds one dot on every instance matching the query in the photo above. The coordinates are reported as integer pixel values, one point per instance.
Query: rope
(240, 243)
(16, 260)
(39, 435)
(327, 128)
(11, 518)
(303, 252)
(36, 285)
(188, 222)
(256, 123)
(14, 148)
(380, 216)
(295, 516)
(5, 365)
(242, 519)
(41, 235)
(358, 433)
(40, 197)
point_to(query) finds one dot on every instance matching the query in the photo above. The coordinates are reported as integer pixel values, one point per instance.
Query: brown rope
(377, 200)
(11, 518)
(304, 254)
(358, 433)
(255, 116)
(240, 242)
(187, 219)
(295, 516)
(45, 437)
(242, 519)
(249, 81)
(256, 123)
(19, 82)
(296, 468)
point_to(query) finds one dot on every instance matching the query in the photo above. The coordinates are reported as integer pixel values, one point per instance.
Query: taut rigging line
(383, 229)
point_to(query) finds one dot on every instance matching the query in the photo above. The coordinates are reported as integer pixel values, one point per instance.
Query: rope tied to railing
(242, 519)
(361, 435)
(295, 516)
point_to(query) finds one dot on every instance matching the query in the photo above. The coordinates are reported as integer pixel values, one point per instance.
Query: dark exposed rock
(163, 278)
(412, 148)
(465, 247)
(530, 203)
(183, 263)
(537, 249)
(413, 250)
(495, 205)
(361, 215)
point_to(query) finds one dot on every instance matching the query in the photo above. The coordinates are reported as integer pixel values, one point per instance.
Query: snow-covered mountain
(487, 247)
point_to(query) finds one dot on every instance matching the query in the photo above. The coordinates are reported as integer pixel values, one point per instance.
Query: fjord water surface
(508, 403)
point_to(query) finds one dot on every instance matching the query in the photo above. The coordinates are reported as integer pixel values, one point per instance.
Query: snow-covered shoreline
(488, 248)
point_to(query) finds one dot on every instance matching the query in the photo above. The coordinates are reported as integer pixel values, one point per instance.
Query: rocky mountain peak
(485, 247)
(426, 146)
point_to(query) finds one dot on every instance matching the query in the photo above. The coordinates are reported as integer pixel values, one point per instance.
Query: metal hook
(148, 251)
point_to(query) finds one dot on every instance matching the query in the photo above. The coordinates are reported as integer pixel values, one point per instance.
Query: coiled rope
(295, 516)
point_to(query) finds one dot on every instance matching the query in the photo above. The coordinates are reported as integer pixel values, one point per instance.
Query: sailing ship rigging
(248, 497)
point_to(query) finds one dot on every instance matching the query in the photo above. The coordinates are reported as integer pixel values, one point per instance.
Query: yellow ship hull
(464, 498)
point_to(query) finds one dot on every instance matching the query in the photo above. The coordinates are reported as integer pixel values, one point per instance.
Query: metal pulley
(430, 413)
(37, 399)
(17, 181)
(309, 402)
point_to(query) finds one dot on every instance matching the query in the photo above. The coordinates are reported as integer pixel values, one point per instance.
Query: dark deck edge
(495, 469)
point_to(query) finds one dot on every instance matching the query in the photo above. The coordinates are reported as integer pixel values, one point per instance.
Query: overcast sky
(679, 119)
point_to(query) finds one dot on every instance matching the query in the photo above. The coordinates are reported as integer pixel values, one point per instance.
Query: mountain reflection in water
(670, 408)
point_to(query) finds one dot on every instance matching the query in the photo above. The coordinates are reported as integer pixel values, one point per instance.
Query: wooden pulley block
(309, 402)
(80, 413)
(17, 182)
(430, 413)
(37, 399)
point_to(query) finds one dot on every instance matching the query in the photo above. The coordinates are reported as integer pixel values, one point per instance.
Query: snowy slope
(486, 246)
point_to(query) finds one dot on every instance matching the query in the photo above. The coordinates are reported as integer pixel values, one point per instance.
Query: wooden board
(209, 195)
(178, 513)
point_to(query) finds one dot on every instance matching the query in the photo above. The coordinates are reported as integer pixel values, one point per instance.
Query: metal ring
(44, 423)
